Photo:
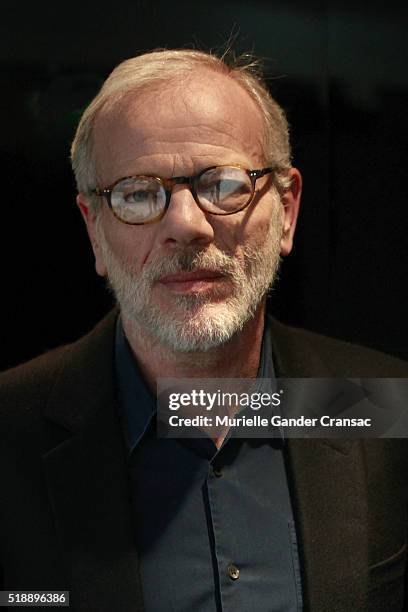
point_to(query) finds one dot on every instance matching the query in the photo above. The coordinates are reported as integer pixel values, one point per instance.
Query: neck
(238, 358)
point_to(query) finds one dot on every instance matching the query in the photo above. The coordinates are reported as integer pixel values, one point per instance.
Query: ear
(89, 217)
(291, 203)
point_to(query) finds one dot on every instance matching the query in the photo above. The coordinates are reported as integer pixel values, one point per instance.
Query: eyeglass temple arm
(99, 192)
(256, 174)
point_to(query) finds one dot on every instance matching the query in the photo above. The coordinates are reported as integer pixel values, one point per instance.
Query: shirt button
(217, 473)
(233, 571)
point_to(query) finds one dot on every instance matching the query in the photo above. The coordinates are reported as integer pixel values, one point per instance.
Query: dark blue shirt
(214, 528)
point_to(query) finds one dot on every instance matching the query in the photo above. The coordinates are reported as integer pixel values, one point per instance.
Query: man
(189, 198)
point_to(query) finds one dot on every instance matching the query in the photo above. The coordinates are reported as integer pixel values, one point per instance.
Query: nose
(184, 223)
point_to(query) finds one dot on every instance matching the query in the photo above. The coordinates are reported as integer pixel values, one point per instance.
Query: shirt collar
(137, 404)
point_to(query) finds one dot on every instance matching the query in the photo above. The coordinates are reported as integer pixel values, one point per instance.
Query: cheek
(253, 241)
(253, 231)
(268, 223)
(131, 245)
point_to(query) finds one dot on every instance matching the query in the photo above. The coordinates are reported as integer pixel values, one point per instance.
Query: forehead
(202, 120)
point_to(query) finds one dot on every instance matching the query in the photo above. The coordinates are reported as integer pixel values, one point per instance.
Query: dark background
(339, 70)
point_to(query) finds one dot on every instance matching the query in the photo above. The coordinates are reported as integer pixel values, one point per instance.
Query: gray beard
(195, 322)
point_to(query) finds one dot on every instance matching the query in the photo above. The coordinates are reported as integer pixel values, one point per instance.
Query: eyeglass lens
(221, 190)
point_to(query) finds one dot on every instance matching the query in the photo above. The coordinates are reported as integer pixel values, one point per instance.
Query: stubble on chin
(200, 321)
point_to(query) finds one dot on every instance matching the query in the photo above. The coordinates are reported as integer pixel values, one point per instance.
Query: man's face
(191, 280)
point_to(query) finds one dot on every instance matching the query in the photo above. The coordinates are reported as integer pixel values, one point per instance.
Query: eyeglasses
(219, 190)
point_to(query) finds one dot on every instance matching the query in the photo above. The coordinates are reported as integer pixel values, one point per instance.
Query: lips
(192, 276)
(190, 281)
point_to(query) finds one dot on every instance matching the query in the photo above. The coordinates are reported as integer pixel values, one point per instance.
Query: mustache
(189, 260)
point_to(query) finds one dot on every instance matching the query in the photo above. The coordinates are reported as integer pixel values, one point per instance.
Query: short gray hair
(147, 71)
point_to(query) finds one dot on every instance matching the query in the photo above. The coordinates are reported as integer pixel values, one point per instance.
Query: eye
(219, 189)
(139, 192)
(139, 196)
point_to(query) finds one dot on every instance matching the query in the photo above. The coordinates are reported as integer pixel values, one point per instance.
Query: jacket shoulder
(299, 352)
(25, 389)
(26, 386)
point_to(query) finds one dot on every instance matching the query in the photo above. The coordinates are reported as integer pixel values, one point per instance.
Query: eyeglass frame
(191, 181)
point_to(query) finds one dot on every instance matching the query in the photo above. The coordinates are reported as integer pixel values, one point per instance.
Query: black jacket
(65, 513)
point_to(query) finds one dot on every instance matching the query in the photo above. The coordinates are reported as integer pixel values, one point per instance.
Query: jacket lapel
(330, 506)
(87, 480)
(329, 496)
